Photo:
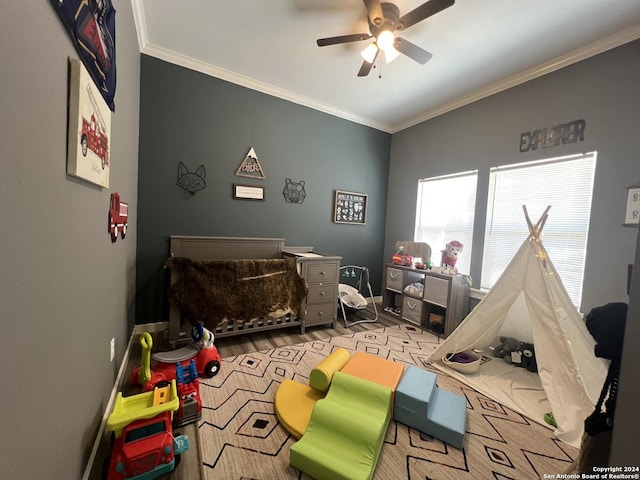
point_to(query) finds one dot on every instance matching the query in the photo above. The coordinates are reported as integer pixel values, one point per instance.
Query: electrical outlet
(113, 349)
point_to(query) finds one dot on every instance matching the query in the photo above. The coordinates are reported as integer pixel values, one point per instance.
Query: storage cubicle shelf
(444, 297)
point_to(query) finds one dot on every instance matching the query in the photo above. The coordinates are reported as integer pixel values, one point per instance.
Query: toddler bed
(233, 285)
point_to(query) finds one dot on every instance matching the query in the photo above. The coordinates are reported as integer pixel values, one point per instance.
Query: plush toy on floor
(528, 359)
(517, 353)
(507, 345)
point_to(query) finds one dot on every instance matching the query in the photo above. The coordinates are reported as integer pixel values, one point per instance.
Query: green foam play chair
(346, 431)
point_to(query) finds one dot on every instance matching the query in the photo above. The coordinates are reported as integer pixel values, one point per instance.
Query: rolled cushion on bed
(320, 376)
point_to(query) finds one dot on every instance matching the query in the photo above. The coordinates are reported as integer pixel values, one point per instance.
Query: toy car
(163, 368)
(145, 445)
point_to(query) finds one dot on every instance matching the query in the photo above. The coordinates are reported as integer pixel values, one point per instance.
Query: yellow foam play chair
(294, 401)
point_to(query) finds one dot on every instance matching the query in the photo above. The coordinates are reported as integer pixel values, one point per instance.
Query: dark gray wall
(200, 120)
(65, 290)
(603, 91)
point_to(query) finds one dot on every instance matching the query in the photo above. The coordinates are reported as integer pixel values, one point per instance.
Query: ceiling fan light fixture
(369, 53)
(390, 54)
(385, 40)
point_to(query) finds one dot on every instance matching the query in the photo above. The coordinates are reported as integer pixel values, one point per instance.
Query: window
(565, 183)
(144, 431)
(445, 212)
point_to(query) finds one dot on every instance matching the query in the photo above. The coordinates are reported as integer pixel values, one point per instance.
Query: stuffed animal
(528, 357)
(506, 347)
(517, 353)
(450, 255)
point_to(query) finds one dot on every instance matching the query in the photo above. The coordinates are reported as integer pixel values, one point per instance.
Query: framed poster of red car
(89, 131)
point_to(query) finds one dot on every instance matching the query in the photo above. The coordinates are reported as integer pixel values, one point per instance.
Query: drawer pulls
(394, 275)
(412, 307)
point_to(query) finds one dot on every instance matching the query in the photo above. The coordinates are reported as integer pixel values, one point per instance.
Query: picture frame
(248, 192)
(91, 26)
(632, 216)
(89, 128)
(250, 166)
(350, 207)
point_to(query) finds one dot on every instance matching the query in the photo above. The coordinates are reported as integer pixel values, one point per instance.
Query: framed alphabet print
(350, 207)
(632, 216)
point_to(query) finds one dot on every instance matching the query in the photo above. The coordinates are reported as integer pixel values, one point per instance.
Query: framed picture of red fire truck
(89, 128)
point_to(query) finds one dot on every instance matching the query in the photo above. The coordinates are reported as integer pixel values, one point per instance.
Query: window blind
(565, 183)
(446, 211)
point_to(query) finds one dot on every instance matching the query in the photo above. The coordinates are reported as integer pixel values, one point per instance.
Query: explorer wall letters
(563, 133)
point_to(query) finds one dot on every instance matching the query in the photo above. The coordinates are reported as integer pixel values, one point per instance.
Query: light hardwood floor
(190, 467)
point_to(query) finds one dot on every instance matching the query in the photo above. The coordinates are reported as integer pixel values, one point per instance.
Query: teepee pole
(536, 229)
(529, 224)
(543, 219)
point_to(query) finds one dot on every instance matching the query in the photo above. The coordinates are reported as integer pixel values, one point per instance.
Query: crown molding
(625, 36)
(140, 22)
(247, 82)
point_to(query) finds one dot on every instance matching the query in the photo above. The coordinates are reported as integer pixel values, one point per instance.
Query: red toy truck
(190, 408)
(163, 370)
(118, 217)
(145, 446)
(93, 138)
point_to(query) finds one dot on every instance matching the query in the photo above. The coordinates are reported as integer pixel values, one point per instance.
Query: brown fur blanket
(213, 291)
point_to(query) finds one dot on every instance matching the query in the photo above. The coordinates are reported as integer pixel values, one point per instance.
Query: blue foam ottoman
(420, 404)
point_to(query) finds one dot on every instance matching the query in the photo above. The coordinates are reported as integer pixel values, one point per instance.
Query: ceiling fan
(384, 22)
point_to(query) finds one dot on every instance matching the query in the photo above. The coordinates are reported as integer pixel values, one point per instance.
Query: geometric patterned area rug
(240, 437)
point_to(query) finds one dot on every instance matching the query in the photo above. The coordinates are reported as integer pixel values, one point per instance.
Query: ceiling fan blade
(374, 10)
(423, 11)
(355, 37)
(412, 51)
(366, 66)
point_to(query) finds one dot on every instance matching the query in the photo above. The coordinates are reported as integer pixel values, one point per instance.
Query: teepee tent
(529, 302)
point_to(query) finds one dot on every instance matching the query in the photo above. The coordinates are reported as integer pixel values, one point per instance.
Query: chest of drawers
(321, 272)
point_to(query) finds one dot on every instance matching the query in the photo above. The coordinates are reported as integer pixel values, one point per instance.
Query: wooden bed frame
(224, 248)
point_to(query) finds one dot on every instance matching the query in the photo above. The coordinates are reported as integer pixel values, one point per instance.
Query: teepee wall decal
(250, 166)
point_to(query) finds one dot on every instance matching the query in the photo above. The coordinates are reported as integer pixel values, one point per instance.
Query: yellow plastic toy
(146, 342)
(294, 401)
(141, 406)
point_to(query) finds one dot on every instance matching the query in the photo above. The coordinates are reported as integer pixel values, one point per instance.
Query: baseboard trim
(151, 327)
(107, 411)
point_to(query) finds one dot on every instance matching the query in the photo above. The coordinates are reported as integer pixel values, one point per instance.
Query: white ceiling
(479, 48)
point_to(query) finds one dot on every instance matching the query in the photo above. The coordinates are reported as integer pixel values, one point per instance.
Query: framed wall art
(250, 166)
(92, 29)
(350, 207)
(89, 135)
(248, 192)
(632, 216)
